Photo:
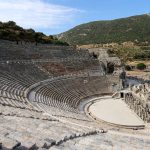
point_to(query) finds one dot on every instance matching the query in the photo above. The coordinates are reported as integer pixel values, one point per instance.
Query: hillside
(135, 29)
(12, 32)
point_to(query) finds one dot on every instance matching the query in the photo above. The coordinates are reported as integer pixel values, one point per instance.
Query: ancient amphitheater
(60, 98)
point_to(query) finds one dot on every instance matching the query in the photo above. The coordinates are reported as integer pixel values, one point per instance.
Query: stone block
(34, 147)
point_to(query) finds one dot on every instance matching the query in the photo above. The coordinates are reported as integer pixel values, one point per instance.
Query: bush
(141, 66)
(128, 68)
(11, 31)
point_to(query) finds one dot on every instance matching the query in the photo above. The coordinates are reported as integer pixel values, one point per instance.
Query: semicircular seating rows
(17, 76)
(59, 98)
(62, 96)
(67, 92)
(38, 92)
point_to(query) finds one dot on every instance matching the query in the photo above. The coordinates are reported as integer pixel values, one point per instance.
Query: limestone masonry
(45, 92)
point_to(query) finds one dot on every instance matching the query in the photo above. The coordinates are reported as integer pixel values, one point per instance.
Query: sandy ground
(138, 73)
(134, 63)
(116, 112)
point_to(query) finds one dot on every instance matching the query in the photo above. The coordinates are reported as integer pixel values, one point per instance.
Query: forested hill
(11, 31)
(135, 29)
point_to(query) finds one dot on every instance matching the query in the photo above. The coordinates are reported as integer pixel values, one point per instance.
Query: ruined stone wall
(141, 108)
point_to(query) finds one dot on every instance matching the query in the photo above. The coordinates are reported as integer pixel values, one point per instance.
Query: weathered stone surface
(0, 145)
(49, 143)
(138, 100)
(34, 147)
(23, 126)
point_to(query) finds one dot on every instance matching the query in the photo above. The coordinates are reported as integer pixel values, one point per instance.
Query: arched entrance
(110, 67)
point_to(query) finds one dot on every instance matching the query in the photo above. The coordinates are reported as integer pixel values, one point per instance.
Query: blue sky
(56, 16)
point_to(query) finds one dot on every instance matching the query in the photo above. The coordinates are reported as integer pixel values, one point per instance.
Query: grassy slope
(11, 31)
(120, 30)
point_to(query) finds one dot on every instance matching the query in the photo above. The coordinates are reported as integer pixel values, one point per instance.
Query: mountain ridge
(134, 28)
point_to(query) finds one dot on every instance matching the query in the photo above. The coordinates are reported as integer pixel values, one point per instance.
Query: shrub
(141, 66)
(11, 31)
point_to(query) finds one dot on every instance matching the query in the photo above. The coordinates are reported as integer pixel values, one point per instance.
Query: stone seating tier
(12, 51)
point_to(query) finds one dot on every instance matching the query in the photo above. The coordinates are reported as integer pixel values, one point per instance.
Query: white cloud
(36, 13)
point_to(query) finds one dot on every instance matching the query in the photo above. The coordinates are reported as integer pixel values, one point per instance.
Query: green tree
(141, 66)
